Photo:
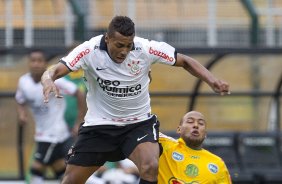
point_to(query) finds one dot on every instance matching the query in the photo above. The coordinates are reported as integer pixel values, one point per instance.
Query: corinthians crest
(134, 67)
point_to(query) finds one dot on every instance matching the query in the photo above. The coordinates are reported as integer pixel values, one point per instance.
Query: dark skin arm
(81, 107)
(48, 78)
(188, 63)
(198, 70)
(22, 113)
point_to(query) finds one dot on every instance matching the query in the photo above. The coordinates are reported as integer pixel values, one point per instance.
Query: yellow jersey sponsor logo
(192, 170)
(177, 156)
(174, 180)
(213, 168)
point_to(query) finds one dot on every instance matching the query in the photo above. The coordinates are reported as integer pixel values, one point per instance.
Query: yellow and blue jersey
(180, 164)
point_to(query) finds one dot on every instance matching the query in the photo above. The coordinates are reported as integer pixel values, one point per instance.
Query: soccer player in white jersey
(52, 135)
(119, 123)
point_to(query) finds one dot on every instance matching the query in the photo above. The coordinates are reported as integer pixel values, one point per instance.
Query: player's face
(193, 129)
(37, 63)
(119, 46)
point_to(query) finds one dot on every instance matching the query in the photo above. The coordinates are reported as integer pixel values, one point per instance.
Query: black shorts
(97, 144)
(46, 153)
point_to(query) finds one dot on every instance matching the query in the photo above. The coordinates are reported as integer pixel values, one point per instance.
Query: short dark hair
(122, 24)
(33, 50)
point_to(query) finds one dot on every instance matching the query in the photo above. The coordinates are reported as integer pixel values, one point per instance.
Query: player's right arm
(21, 104)
(22, 113)
(48, 78)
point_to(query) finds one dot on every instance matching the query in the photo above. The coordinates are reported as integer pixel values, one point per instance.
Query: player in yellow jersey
(184, 161)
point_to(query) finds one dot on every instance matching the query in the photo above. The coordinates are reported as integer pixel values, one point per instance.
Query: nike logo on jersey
(140, 138)
(37, 155)
(100, 69)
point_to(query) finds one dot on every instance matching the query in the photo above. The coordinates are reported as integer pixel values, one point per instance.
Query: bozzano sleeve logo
(79, 56)
(161, 54)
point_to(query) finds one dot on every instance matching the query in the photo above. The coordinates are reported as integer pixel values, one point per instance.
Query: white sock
(36, 180)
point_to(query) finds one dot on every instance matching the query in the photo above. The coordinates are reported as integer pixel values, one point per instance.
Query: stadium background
(241, 40)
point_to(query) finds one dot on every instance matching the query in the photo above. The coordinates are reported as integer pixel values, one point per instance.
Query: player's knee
(149, 169)
(67, 179)
(70, 178)
(59, 174)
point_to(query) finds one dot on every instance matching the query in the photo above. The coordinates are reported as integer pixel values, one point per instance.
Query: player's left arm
(198, 70)
(224, 176)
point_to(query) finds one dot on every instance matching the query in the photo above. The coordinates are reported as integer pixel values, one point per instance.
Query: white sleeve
(77, 58)
(162, 52)
(20, 97)
(65, 86)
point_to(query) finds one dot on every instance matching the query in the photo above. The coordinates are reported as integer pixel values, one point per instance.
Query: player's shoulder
(217, 160)
(152, 46)
(25, 78)
(165, 139)
(164, 136)
(26, 82)
(92, 44)
(140, 43)
(212, 155)
(138, 39)
(95, 39)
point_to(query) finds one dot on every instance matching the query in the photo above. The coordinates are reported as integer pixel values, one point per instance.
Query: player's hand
(49, 87)
(22, 119)
(221, 87)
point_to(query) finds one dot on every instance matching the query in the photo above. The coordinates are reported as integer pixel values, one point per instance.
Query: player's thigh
(58, 165)
(143, 132)
(146, 153)
(78, 174)
(38, 165)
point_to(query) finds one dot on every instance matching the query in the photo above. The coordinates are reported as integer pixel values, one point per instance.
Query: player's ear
(178, 129)
(106, 38)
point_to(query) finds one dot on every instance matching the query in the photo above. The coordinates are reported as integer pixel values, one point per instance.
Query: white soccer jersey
(49, 117)
(118, 94)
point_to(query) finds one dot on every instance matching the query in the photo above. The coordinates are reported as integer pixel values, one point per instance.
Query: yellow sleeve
(166, 141)
(224, 176)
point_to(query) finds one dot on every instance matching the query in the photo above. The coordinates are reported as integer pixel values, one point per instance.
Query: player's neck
(36, 78)
(194, 146)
